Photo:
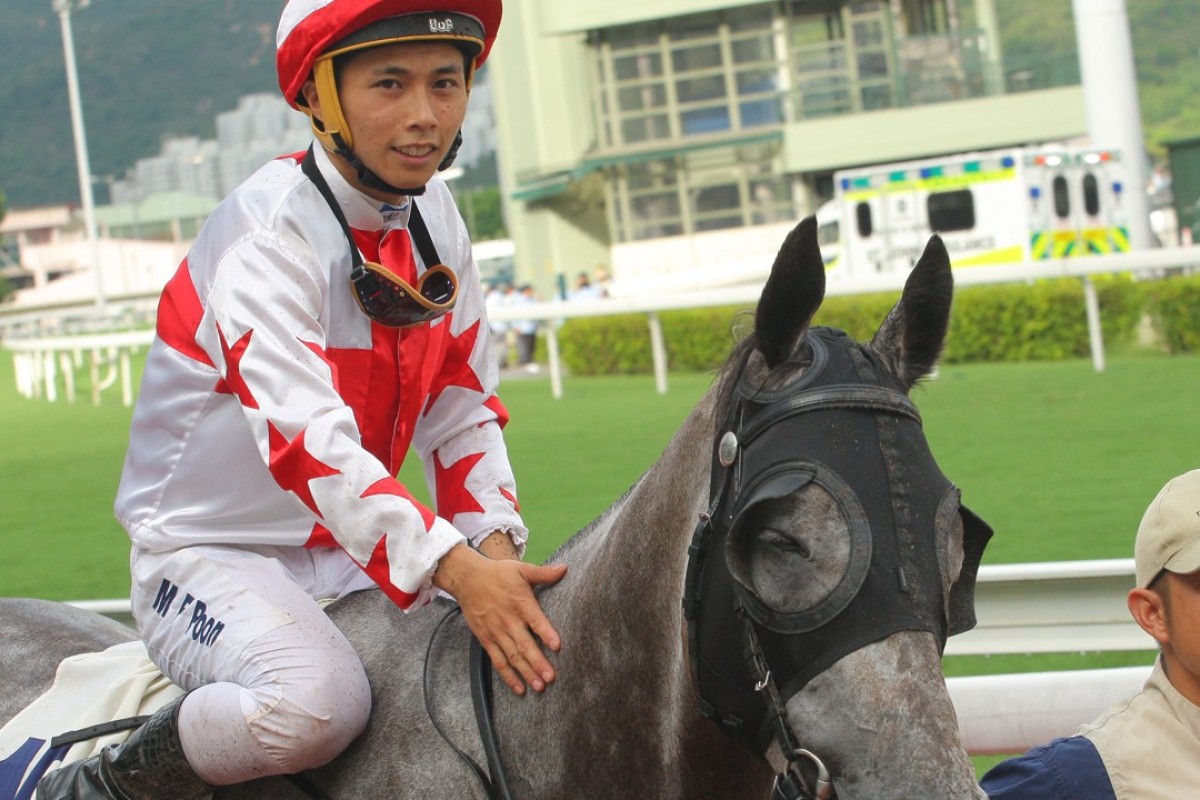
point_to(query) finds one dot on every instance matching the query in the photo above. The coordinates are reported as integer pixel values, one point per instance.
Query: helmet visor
(433, 26)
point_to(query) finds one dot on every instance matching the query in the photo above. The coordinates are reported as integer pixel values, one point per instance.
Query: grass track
(1061, 460)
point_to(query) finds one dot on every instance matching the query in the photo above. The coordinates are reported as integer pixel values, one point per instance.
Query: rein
(494, 787)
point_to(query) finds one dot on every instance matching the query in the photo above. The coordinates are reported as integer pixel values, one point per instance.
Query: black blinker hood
(848, 427)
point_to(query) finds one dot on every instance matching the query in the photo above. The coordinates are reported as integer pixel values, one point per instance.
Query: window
(687, 76)
(716, 207)
(704, 56)
(829, 233)
(645, 129)
(1091, 195)
(641, 98)
(925, 16)
(1062, 197)
(759, 102)
(694, 90)
(862, 219)
(654, 208)
(640, 65)
(662, 198)
(707, 120)
(770, 200)
(951, 211)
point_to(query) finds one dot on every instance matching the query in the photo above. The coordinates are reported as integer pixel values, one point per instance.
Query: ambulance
(1007, 206)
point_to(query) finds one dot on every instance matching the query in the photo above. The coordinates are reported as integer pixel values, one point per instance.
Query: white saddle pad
(88, 689)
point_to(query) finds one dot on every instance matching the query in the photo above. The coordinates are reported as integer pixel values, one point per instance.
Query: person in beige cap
(1146, 746)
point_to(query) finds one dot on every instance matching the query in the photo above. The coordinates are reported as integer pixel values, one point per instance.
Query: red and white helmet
(312, 32)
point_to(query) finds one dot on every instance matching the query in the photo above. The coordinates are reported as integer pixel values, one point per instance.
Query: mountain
(150, 69)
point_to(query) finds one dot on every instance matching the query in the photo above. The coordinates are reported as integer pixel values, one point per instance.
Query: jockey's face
(404, 105)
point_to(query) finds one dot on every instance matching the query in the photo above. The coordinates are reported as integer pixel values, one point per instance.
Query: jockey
(328, 318)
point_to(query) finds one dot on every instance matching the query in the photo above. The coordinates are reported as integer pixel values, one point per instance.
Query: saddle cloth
(88, 689)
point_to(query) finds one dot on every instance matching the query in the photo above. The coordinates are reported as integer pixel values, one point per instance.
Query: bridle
(863, 445)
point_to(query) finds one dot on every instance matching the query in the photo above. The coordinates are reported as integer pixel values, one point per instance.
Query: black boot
(149, 765)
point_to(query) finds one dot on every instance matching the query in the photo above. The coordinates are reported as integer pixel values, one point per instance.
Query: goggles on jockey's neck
(383, 295)
(390, 300)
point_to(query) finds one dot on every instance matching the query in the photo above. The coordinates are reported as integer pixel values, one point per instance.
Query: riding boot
(149, 765)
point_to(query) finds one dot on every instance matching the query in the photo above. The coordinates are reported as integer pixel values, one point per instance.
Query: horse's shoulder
(59, 627)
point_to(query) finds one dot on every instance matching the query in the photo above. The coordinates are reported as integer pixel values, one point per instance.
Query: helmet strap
(364, 173)
(452, 153)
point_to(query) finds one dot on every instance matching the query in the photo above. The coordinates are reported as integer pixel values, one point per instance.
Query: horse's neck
(619, 609)
(624, 659)
(638, 547)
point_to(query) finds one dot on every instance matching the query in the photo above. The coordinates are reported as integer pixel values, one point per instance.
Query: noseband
(847, 427)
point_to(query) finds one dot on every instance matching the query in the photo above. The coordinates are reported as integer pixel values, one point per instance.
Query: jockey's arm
(499, 546)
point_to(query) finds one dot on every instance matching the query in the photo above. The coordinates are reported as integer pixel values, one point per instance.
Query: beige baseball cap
(1169, 536)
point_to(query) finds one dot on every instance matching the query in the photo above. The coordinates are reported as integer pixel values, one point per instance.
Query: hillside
(156, 68)
(148, 69)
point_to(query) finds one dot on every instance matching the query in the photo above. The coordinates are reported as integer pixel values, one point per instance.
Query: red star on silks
(510, 497)
(394, 487)
(493, 403)
(320, 536)
(233, 383)
(379, 569)
(293, 466)
(453, 496)
(457, 364)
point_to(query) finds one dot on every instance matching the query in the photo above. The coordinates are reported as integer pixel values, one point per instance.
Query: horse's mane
(731, 370)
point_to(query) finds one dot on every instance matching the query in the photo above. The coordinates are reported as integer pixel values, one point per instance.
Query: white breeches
(277, 688)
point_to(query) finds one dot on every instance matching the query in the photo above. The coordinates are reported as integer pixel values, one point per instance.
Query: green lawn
(1060, 459)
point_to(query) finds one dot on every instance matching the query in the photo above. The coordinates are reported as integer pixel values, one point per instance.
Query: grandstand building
(673, 142)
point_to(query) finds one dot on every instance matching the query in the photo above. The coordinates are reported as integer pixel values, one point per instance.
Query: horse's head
(835, 558)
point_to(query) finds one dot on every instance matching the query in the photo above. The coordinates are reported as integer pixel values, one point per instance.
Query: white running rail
(1069, 606)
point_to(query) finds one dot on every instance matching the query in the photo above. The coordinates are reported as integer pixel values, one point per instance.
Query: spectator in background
(584, 289)
(526, 330)
(603, 280)
(499, 295)
(1147, 746)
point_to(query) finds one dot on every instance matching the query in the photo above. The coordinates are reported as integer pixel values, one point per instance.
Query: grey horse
(842, 694)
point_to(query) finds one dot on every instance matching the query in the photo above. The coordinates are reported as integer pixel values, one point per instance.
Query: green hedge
(1044, 320)
(1174, 307)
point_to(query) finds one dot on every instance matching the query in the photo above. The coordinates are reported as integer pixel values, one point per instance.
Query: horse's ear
(793, 293)
(913, 334)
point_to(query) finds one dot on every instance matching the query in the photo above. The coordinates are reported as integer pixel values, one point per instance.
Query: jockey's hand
(502, 611)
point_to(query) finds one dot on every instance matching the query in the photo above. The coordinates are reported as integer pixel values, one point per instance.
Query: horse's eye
(779, 540)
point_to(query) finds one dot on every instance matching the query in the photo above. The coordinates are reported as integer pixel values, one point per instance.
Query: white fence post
(1095, 334)
(658, 352)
